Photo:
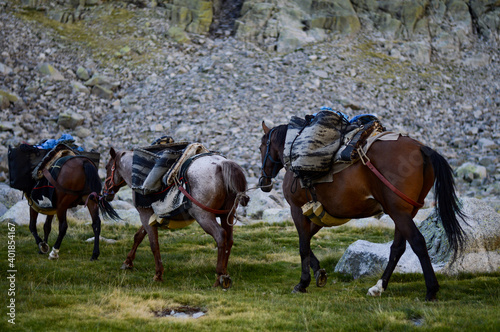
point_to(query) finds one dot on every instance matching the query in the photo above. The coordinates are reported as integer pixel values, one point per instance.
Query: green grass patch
(75, 294)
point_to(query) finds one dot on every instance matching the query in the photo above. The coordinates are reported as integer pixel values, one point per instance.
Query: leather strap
(388, 184)
(206, 208)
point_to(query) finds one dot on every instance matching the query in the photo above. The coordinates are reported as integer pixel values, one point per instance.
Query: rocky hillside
(122, 73)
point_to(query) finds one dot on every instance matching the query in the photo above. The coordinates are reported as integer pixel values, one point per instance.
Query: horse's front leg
(96, 227)
(63, 227)
(152, 232)
(138, 237)
(319, 274)
(43, 248)
(306, 231)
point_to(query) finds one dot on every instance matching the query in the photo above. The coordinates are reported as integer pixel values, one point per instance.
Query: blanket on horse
(157, 170)
(311, 143)
(326, 143)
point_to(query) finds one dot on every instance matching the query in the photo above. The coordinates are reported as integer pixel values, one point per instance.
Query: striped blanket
(311, 143)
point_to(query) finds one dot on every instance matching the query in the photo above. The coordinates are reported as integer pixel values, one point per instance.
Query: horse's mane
(280, 133)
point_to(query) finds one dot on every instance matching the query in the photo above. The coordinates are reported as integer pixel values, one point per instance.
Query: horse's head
(114, 180)
(270, 156)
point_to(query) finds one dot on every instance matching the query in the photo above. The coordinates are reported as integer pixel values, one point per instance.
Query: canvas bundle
(311, 143)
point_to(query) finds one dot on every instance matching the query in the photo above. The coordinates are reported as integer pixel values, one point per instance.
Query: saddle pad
(311, 143)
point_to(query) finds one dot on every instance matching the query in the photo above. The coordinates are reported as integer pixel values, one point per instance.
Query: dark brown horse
(357, 192)
(78, 183)
(216, 183)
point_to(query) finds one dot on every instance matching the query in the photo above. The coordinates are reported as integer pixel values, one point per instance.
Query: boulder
(19, 214)
(8, 196)
(49, 71)
(480, 254)
(261, 201)
(70, 119)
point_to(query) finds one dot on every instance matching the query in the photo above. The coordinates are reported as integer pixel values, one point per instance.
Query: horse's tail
(94, 185)
(447, 204)
(235, 180)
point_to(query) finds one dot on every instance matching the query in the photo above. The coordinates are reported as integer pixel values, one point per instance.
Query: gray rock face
(481, 253)
(217, 90)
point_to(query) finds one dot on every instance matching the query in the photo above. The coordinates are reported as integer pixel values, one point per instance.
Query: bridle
(110, 188)
(276, 163)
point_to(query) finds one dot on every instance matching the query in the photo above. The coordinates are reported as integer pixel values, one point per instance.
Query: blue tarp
(51, 143)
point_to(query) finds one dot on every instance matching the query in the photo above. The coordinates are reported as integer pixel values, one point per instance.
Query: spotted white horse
(217, 186)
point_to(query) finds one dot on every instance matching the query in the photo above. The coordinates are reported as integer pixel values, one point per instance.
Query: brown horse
(78, 183)
(357, 192)
(216, 183)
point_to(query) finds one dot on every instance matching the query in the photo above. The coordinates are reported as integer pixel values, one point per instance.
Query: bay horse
(78, 183)
(356, 192)
(216, 183)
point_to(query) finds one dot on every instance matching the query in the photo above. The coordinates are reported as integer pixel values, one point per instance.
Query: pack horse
(358, 192)
(216, 185)
(62, 180)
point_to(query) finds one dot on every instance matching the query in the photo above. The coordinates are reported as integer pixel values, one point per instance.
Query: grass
(75, 294)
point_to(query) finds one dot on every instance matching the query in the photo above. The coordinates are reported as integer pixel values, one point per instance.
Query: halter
(110, 188)
(276, 164)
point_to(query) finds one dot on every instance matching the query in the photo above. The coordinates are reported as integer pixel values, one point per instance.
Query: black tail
(94, 185)
(447, 204)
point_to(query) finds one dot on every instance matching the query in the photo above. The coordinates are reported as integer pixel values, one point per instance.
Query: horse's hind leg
(409, 232)
(227, 223)
(138, 237)
(398, 248)
(209, 224)
(96, 227)
(43, 248)
(63, 227)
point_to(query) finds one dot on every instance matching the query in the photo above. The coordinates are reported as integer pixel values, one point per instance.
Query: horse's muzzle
(265, 184)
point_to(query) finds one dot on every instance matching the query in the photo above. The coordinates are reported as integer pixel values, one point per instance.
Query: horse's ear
(112, 152)
(266, 128)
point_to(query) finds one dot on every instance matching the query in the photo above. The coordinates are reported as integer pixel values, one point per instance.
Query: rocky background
(123, 73)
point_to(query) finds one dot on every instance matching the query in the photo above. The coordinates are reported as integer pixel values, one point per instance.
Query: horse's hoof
(376, 290)
(321, 277)
(225, 281)
(43, 247)
(158, 278)
(93, 258)
(54, 254)
(126, 266)
(431, 298)
(299, 289)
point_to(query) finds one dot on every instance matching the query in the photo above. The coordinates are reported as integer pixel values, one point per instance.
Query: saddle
(59, 151)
